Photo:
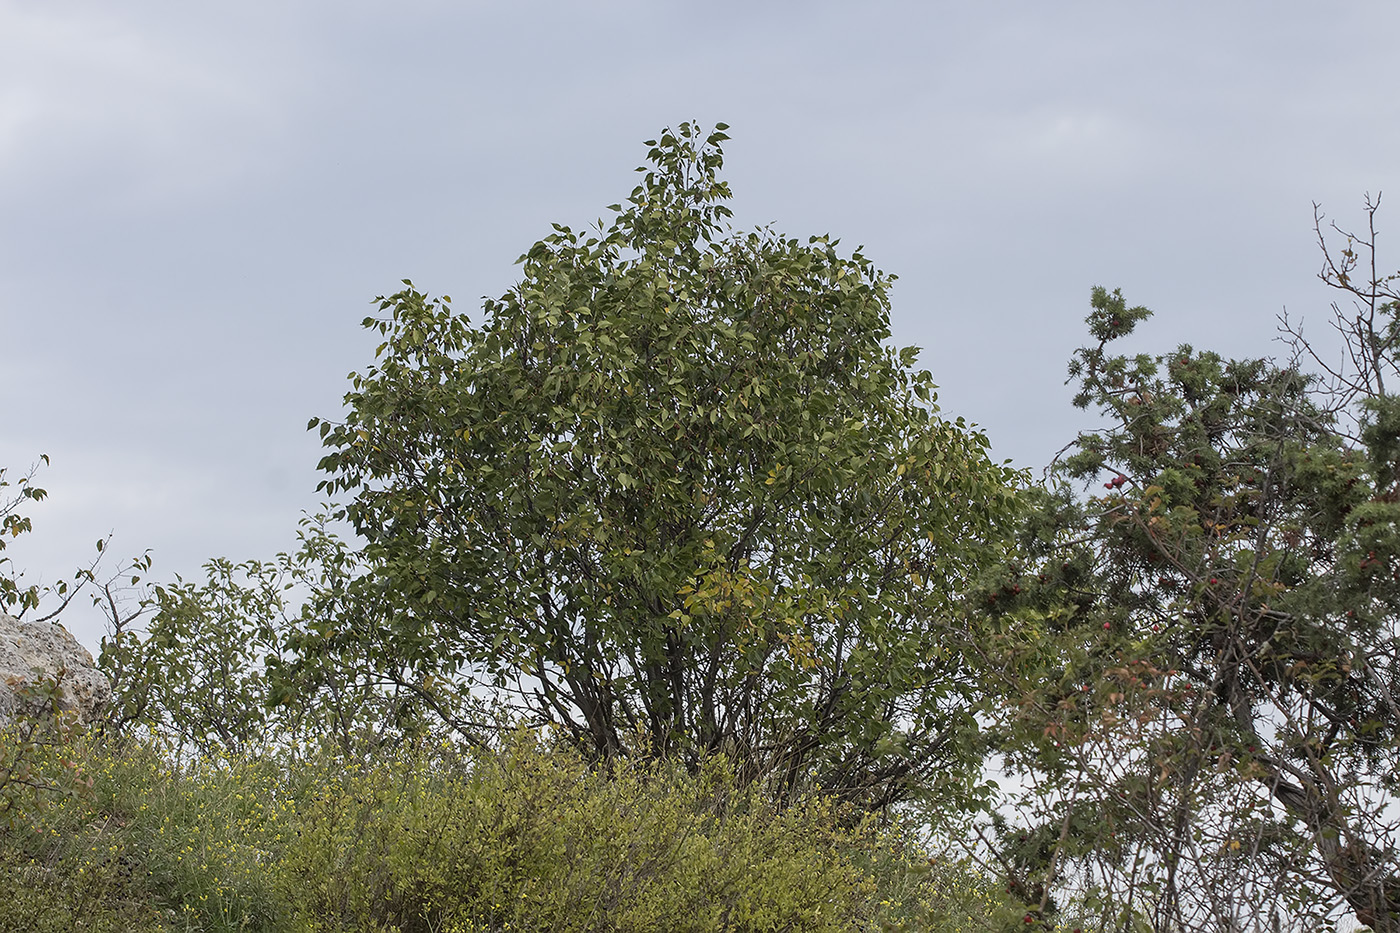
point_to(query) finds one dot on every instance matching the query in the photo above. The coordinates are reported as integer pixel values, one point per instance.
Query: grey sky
(198, 201)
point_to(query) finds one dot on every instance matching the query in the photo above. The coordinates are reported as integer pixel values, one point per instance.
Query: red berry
(1107, 626)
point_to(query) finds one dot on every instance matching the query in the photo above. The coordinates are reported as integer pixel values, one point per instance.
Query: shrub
(523, 836)
(142, 845)
(535, 838)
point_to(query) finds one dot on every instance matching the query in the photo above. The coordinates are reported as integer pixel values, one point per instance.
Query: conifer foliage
(1207, 645)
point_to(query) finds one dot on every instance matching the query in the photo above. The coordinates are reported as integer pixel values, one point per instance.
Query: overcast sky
(199, 200)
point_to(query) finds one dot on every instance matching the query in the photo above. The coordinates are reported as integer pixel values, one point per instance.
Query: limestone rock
(49, 647)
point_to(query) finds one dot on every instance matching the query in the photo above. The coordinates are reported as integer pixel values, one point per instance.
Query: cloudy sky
(199, 201)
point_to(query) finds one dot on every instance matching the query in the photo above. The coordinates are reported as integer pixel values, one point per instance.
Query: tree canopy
(1203, 654)
(674, 489)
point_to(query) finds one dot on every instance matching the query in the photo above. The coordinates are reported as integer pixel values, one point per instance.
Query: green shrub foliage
(524, 836)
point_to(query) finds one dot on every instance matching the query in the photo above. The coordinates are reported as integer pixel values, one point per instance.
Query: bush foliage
(524, 836)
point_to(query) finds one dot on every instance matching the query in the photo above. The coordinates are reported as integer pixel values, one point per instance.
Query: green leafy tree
(675, 494)
(213, 673)
(1203, 656)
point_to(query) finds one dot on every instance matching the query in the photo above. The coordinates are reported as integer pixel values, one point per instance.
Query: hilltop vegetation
(664, 597)
(527, 836)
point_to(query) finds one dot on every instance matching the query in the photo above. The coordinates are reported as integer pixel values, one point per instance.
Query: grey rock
(49, 648)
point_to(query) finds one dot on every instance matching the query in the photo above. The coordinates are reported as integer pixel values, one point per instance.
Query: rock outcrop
(49, 648)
